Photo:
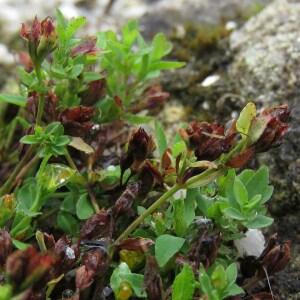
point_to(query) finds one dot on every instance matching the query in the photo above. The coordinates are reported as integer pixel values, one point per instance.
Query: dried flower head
(208, 140)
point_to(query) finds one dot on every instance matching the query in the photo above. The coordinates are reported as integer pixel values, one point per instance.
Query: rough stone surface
(266, 59)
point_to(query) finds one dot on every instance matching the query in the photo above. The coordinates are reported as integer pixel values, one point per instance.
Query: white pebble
(210, 80)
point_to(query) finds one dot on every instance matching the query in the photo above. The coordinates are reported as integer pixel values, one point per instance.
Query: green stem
(60, 195)
(205, 178)
(150, 210)
(90, 191)
(38, 73)
(40, 110)
(71, 162)
(93, 199)
(20, 225)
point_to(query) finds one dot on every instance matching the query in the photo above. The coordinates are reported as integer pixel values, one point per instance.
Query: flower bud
(28, 268)
(267, 130)
(139, 148)
(41, 39)
(5, 246)
(208, 140)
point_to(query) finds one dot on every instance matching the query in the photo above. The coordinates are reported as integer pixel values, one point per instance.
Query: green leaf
(67, 223)
(136, 282)
(74, 25)
(229, 187)
(233, 290)
(245, 176)
(189, 206)
(267, 194)
(26, 77)
(178, 148)
(234, 214)
(58, 71)
(231, 273)
(184, 284)
(258, 183)
(137, 119)
(240, 193)
(259, 222)
(84, 208)
(162, 143)
(165, 65)
(116, 279)
(166, 246)
(61, 20)
(52, 128)
(69, 203)
(13, 99)
(75, 71)
(55, 176)
(20, 245)
(253, 203)
(30, 139)
(179, 222)
(205, 282)
(160, 47)
(92, 76)
(6, 292)
(244, 121)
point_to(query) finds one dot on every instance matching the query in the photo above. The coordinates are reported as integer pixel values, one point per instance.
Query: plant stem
(205, 178)
(6, 188)
(150, 210)
(93, 199)
(38, 73)
(40, 110)
(25, 170)
(71, 162)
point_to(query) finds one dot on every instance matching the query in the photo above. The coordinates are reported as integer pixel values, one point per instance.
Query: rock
(267, 52)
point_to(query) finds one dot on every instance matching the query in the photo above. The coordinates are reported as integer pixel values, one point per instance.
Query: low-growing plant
(112, 217)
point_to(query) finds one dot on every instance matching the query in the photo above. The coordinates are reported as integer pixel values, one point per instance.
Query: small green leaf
(20, 245)
(137, 119)
(234, 214)
(162, 143)
(179, 222)
(184, 284)
(75, 71)
(116, 279)
(6, 292)
(67, 223)
(253, 202)
(84, 208)
(166, 246)
(13, 99)
(233, 290)
(136, 282)
(178, 148)
(30, 139)
(259, 222)
(165, 65)
(258, 183)
(244, 121)
(240, 193)
(231, 273)
(61, 19)
(92, 76)
(74, 25)
(189, 206)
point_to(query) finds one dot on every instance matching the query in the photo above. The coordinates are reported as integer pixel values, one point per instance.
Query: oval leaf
(166, 246)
